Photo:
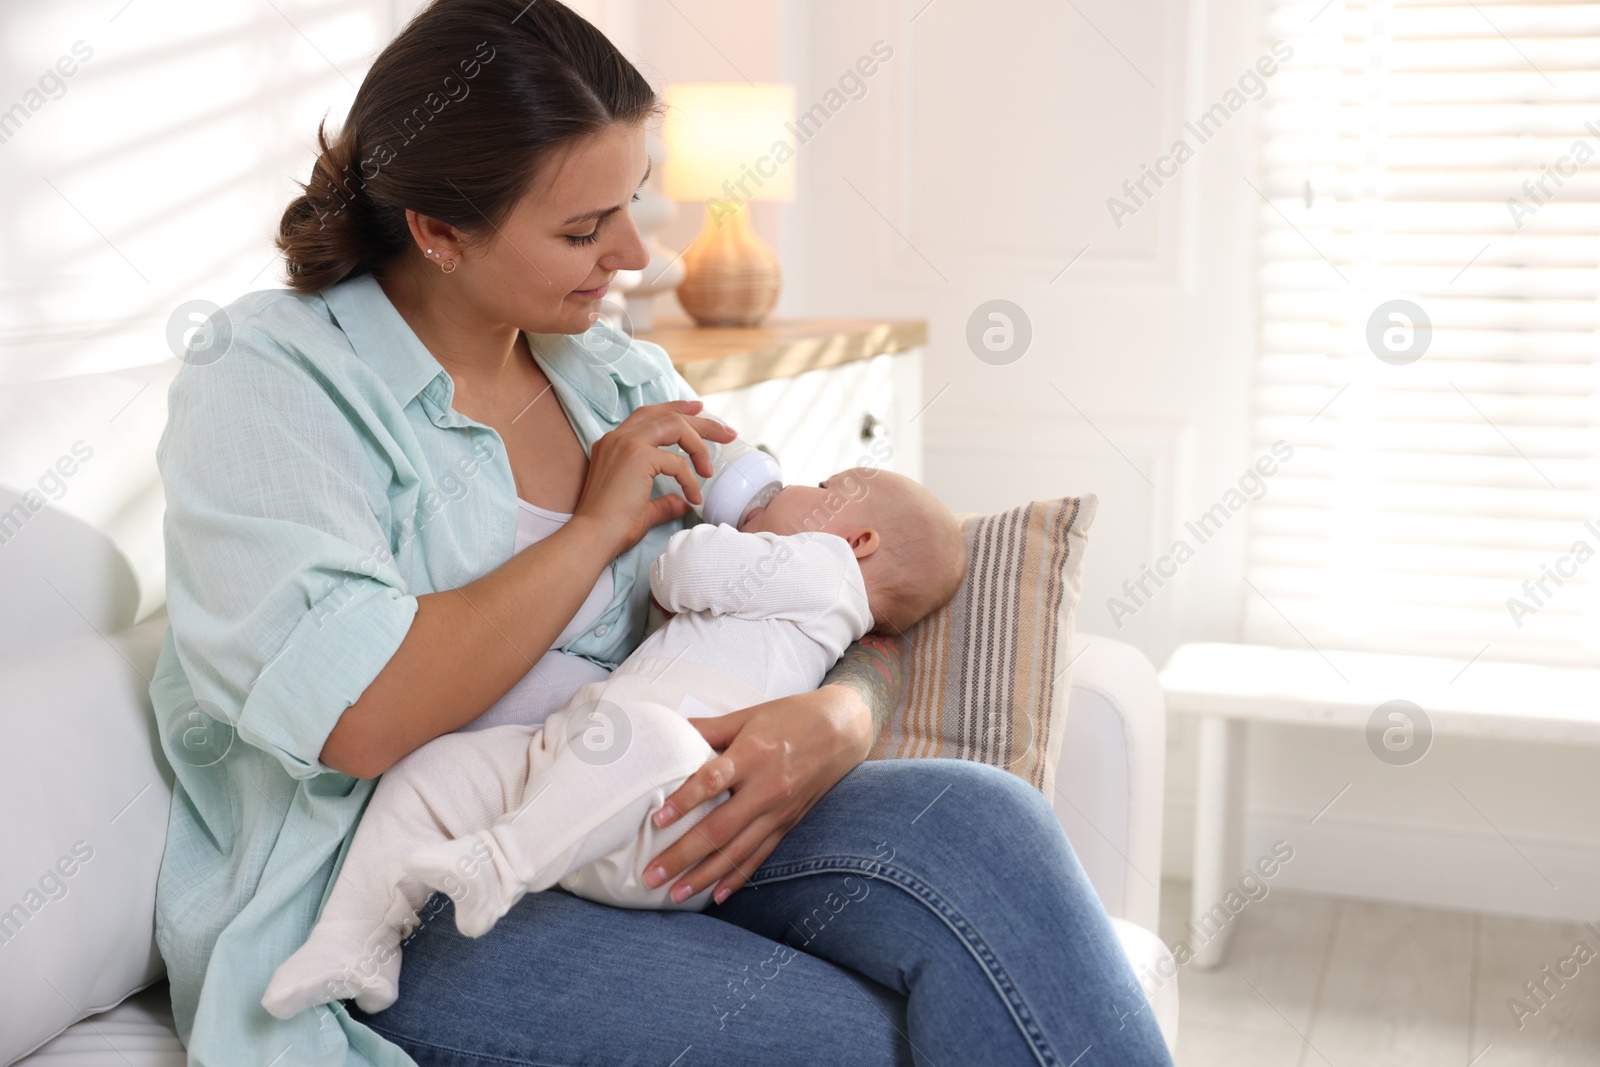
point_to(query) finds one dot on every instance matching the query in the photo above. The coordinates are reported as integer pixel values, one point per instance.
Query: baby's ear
(864, 543)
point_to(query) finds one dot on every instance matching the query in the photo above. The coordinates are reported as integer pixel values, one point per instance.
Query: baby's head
(909, 546)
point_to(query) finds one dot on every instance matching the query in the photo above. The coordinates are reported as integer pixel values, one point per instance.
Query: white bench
(1228, 686)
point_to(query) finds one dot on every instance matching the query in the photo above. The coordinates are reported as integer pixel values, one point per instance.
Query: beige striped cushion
(987, 674)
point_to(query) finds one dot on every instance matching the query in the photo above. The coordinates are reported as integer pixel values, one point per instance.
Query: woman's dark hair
(455, 119)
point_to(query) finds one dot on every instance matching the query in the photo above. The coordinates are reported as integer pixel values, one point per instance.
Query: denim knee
(992, 793)
(1006, 790)
(1021, 798)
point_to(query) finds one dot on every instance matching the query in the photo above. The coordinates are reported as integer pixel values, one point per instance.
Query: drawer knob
(873, 428)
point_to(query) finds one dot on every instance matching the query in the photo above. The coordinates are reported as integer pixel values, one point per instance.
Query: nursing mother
(348, 488)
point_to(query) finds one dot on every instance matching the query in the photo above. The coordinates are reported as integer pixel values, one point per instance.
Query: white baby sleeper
(491, 814)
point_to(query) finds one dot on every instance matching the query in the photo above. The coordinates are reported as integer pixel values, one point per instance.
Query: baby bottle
(743, 478)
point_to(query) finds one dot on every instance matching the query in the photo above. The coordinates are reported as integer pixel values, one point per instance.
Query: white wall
(159, 172)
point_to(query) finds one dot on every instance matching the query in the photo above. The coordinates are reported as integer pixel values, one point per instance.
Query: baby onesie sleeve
(797, 577)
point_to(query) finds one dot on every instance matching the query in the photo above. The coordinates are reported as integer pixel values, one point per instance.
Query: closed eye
(592, 236)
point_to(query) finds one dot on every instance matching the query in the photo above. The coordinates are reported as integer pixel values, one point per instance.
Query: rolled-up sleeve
(284, 598)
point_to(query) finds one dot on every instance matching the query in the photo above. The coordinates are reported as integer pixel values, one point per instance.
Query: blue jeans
(925, 911)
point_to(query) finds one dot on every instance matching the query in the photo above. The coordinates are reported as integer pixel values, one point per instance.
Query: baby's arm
(719, 570)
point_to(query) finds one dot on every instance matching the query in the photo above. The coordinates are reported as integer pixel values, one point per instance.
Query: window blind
(1428, 271)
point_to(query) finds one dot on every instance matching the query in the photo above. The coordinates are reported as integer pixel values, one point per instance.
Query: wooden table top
(712, 359)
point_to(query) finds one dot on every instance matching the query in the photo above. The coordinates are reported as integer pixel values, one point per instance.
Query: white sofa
(83, 775)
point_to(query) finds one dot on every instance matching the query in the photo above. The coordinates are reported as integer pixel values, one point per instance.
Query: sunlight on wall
(156, 171)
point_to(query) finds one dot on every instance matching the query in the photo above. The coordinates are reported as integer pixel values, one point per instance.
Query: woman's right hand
(623, 465)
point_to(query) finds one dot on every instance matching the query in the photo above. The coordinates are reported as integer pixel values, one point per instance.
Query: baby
(486, 816)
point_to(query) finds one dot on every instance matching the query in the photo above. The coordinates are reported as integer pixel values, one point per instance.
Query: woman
(348, 488)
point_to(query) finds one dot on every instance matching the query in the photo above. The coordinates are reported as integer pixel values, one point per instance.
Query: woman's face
(547, 266)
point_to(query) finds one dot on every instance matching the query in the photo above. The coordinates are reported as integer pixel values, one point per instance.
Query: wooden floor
(1313, 981)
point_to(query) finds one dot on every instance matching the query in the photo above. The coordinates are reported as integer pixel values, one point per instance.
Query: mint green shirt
(317, 482)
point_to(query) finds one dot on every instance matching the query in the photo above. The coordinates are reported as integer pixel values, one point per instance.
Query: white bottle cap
(728, 495)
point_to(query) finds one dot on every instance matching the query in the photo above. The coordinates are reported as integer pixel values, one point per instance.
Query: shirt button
(602, 630)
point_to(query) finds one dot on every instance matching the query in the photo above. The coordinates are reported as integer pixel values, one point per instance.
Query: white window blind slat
(1426, 500)
(1481, 119)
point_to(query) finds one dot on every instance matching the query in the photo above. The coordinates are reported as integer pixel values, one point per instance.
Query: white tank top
(535, 524)
(556, 675)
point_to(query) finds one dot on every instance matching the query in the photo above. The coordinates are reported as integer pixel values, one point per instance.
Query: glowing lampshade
(718, 133)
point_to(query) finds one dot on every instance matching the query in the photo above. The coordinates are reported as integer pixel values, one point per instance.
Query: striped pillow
(986, 674)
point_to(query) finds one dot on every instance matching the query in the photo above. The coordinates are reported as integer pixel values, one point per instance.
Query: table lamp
(728, 144)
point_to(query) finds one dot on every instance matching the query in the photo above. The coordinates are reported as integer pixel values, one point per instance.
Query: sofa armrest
(84, 771)
(1157, 971)
(1110, 776)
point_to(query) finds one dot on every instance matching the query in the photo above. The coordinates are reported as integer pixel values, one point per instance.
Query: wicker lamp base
(731, 276)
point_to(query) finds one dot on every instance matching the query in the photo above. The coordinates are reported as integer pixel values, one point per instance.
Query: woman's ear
(445, 241)
(864, 543)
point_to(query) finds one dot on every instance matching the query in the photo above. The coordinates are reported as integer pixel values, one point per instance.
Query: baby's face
(835, 506)
(908, 544)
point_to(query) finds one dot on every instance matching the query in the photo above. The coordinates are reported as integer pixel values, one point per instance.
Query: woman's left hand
(777, 759)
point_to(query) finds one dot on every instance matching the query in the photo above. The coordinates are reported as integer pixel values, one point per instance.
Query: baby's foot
(341, 959)
(467, 871)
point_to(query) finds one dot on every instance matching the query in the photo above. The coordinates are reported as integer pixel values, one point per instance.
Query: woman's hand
(778, 759)
(623, 465)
